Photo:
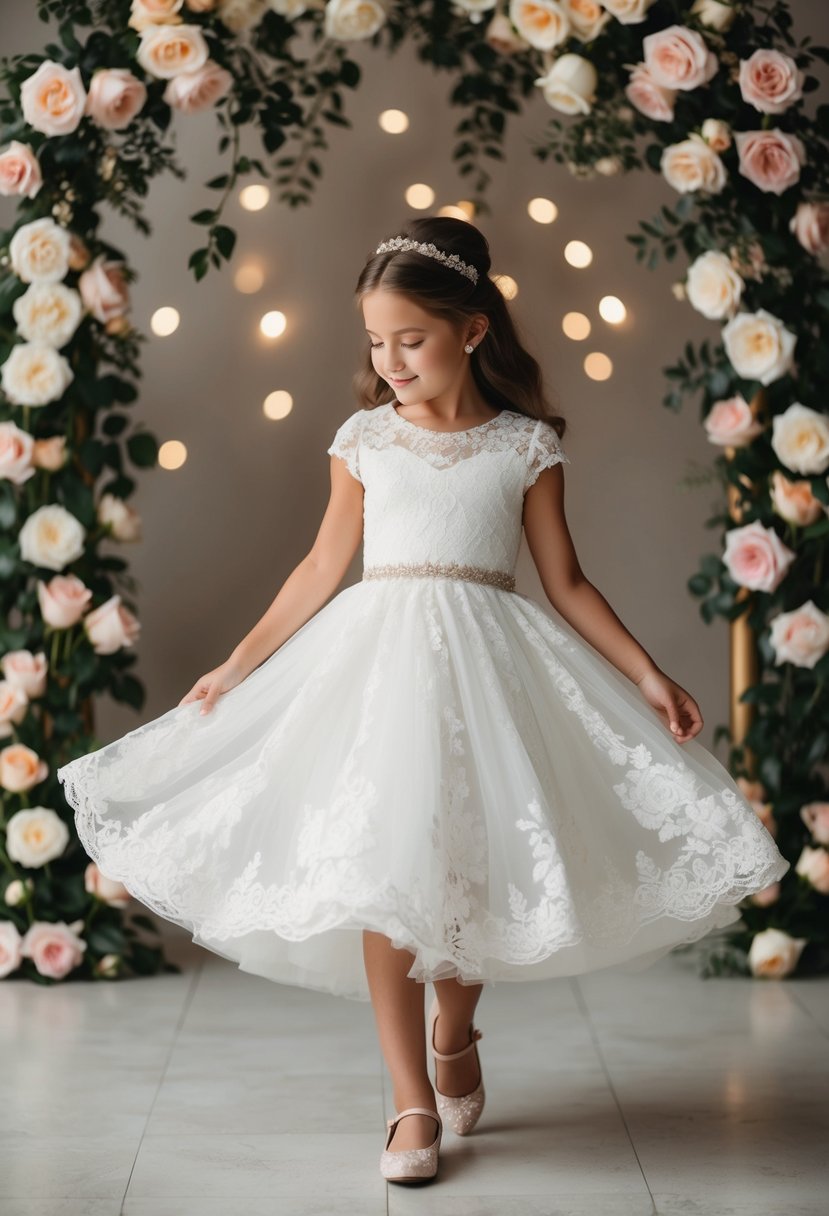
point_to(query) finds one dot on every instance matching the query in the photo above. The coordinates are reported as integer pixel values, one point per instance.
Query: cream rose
(154, 12)
(587, 18)
(608, 166)
(50, 453)
(21, 768)
(346, 20)
(111, 626)
(35, 374)
(123, 520)
(544, 24)
(731, 423)
(629, 12)
(800, 439)
(774, 953)
(63, 600)
(36, 836)
(692, 165)
(241, 15)
(755, 557)
(770, 81)
(39, 252)
(51, 537)
(26, 670)
(16, 451)
(108, 965)
(48, 312)
(13, 706)
(290, 8)
(813, 865)
(116, 96)
(53, 99)
(19, 171)
(192, 92)
(570, 84)
(475, 8)
(54, 947)
(794, 500)
(678, 58)
(717, 134)
(106, 889)
(104, 289)
(810, 224)
(10, 943)
(816, 817)
(502, 37)
(759, 346)
(716, 16)
(18, 891)
(166, 50)
(713, 286)
(771, 160)
(767, 896)
(648, 97)
(800, 637)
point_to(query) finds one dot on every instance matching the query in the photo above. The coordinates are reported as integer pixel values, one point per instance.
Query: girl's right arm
(302, 594)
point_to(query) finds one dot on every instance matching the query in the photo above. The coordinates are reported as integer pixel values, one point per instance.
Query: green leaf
(143, 449)
(225, 240)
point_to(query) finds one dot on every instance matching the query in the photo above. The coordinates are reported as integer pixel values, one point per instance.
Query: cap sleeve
(346, 443)
(545, 450)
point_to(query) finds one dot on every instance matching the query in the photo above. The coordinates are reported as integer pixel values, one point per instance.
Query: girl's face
(410, 345)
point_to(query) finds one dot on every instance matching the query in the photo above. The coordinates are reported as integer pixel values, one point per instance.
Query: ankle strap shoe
(411, 1164)
(464, 1111)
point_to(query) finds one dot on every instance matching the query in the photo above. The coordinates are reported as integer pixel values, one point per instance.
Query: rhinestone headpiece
(431, 251)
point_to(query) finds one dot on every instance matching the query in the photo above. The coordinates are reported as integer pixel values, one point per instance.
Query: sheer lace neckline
(431, 431)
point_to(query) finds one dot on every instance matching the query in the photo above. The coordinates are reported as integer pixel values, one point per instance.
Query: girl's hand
(210, 686)
(678, 708)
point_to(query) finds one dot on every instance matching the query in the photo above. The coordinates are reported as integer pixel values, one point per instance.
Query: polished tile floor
(216, 1093)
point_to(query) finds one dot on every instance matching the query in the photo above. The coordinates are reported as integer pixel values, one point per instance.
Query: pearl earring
(469, 348)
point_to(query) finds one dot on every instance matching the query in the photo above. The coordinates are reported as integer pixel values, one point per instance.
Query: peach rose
(717, 134)
(111, 626)
(106, 889)
(628, 12)
(801, 636)
(13, 706)
(21, 768)
(770, 81)
(794, 500)
(570, 84)
(691, 165)
(648, 97)
(51, 537)
(800, 439)
(713, 286)
(767, 896)
(207, 6)
(774, 953)
(759, 346)
(16, 449)
(810, 224)
(755, 557)
(167, 50)
(154, 12)
(54, 947)
(63, 600)
(104, 289)
(53, 99)
(39, 251)
(192, 92)
(50, 453)
(587, 18)
(48, 312)
(19, 171)
(543, 24)
(731, 422)
(771, 159)
(36, 836)
(123, 520)
(10, 942)
(816, 817)
(115, 97)
(813, 865)
(501, 36)
(26, 670)
(714, 14)
(678, 58)
(79, 254)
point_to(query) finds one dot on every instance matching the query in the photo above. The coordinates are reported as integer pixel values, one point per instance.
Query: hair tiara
(431, 251)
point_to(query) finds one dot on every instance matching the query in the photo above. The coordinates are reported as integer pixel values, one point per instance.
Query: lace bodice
(444, 496)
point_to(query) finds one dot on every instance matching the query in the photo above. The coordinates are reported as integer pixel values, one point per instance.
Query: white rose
(543, 24)
(53, 99)
(608, 166)
(35, 374)
(350, 19)
(11, 954)
(16, 452)
(713, 286)
(759, 346)
(35, 836)
(51, 537)
(111, 626)
(108, 965)
(166, 50)
(587, 18)
(39, 252)
(774, 953)
(48, 312)
(716, 16)
(800, 439)
(123, 519)
(16, 893)
(800, 637)
(570, 84)
(629, 12)
(692, 165)
(717, 134)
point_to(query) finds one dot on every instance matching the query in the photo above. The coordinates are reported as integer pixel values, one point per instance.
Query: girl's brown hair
(504, 371)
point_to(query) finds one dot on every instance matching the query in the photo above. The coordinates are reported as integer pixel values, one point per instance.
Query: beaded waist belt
(474, 574)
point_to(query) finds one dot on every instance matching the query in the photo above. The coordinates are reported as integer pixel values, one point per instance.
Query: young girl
(432, 776)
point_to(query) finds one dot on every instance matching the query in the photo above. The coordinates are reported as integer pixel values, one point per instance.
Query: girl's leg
(401, 1023)
(457, 1009)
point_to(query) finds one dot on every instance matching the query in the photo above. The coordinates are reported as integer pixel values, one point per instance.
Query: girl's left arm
(584, 607)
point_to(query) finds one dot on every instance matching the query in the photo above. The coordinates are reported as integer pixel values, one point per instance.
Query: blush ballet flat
(464, 1111)
(411, 1164)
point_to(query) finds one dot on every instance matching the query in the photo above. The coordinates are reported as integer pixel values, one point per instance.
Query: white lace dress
(433, 756)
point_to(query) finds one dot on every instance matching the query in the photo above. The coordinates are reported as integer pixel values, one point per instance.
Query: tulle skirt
(443, 762)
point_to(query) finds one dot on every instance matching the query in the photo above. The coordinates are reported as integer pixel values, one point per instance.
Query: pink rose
(79, 254)
(54, 947)
(771, 159)
(19, 171)
(753, 790)
(800, 637)
(104, 290)
(810, 224)
(191, 92)
(730, 421)
(678, 58)
(115, 97)
(21, 768)
(794, 500)
(649, 98)
(63, 600)
(755, 557)
(107, 889)
(767, 896)
(53, 99)
(16, 450)
(770, 81)
(111, 626)
(10, 942)
(813, 865)
(26, 670)
(816, 817)
(50, 453)
(13, 706)
(200, 6)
